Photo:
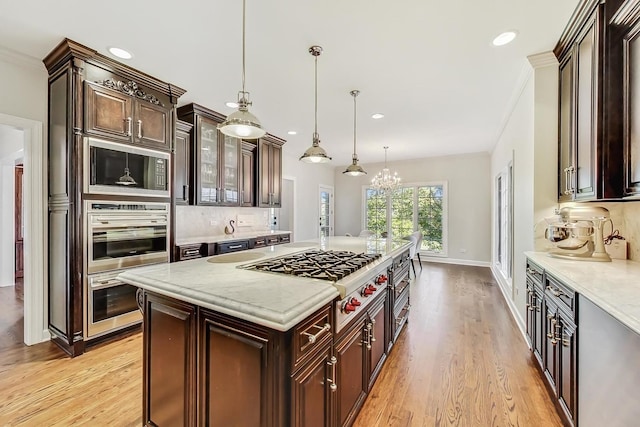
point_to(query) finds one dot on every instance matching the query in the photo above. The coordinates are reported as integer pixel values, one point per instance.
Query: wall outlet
(245, 220)
(463, 251)
(213, 222)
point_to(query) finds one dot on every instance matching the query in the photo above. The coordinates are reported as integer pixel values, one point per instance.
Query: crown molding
(544, 59)
(20, 59)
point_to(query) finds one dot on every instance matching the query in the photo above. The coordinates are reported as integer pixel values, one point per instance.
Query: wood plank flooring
(461, 361)
(11, 316)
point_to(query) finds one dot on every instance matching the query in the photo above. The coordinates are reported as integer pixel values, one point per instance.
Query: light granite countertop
(613, 286)
(238, 235)
(273, 300)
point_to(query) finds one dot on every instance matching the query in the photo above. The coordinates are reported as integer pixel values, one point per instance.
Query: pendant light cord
(385, 157)
(315, 131)
(355, 94)
(243, 44)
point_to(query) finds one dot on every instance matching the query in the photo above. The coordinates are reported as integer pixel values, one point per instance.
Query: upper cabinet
(182, 181)
(591, 94)
(216, 169)
(124, 111)
(626, 28)
(270, 171)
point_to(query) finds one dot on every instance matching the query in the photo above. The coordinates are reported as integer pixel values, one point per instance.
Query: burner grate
(317, 264)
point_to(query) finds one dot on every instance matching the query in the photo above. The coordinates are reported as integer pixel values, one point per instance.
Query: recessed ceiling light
(504, 38)
(292, 132)
(232, 104)
(377, 116)
(120, 53)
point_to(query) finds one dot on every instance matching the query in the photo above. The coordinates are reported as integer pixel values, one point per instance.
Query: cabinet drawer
(535, 272)
(401, 261)
(284, 238)
(272, 240)
(310, 335)
(185, 252)
(238, 245)
(561, 294)
(401, 287)
(258, 242)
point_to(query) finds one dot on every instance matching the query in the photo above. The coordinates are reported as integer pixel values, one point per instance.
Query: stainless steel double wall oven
(122, 230)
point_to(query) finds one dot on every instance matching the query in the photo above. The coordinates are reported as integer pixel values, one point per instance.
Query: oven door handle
(120, 219)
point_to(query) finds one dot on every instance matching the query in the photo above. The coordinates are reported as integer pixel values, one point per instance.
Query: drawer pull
(555, 291)
(332, 381)
(314, 337)
(234, 246)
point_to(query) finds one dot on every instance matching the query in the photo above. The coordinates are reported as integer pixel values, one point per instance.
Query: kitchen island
(227, 345)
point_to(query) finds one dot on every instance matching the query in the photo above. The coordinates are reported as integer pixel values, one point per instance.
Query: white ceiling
(429, 66)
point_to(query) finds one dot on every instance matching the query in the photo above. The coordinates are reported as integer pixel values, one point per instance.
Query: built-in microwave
(114, 168)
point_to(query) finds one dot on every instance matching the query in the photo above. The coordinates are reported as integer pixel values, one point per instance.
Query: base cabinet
(312, 393)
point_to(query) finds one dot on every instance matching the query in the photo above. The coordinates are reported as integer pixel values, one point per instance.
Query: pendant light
(126, 179)
(384, 180)
(315, 153)
(354, 169)
(241, 123)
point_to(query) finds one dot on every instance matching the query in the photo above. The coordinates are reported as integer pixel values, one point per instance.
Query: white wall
(24, 89)
(468, 180)
(530, 139)
(308, 178)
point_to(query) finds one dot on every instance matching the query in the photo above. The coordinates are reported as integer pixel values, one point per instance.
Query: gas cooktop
(317, 264)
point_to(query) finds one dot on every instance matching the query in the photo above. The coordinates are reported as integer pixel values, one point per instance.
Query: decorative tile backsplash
(196, 221)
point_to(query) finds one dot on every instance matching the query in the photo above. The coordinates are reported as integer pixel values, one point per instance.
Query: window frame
(503, 226)
(445, 213)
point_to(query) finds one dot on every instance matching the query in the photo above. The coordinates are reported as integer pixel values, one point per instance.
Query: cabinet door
(168, 362)
(247, 175)
(311, 394)
(107, 112)
(230, 170)
(531, 332)
(567, 358)
(264, 174)
(351, 378)
(181, 168)
(377, 332)
(586, 106)
(565, 143)
(539, 324)
(631, 113)
(276, 175)
(151, 125)
(207, 159)
(234, 363)
(550, 346)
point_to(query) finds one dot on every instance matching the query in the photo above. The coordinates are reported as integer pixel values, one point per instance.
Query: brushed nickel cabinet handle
(314, 337)
(139, 128)
(129, 126)
(332, 381)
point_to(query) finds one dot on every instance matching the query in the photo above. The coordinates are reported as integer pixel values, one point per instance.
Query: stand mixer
(577, 233)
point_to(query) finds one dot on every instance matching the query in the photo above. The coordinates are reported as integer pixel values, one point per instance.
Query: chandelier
(384, 180)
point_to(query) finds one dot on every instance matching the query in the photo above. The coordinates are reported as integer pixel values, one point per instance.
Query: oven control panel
(357, 301)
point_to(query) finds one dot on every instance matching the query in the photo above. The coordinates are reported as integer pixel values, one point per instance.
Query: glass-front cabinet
(217, 158)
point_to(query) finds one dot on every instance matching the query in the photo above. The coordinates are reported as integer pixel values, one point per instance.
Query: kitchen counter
(273, 300)
(238, 235)
(613, 286)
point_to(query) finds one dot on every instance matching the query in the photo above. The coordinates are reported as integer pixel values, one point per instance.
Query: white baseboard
(6, 285)
(456, 261)
(512, 307)
(46, 335)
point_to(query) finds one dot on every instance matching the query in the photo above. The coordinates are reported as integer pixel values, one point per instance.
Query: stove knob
(381, 279)
(372, 288)
(366, 291)
(354, 302)
(347, 307)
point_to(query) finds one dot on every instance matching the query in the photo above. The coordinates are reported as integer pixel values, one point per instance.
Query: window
(504, 221)
(410, 208)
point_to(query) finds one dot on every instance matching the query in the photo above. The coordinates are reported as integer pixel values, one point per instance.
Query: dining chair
(419, 236)
(366, 233)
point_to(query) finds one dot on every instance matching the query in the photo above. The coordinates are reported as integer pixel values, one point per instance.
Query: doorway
(28, 134)
(326, 211)
(286, 212)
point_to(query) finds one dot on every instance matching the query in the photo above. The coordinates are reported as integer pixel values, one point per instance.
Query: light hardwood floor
(460, 362)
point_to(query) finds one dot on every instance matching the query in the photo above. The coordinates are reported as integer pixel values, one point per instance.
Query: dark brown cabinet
(311, 392)
(182, 181)
(360, 351)
(89, 94)
(121, 110)
(216, 159)
(248, 174)
(535, 310)
(399, 298)
(169, 347)
(269, 189)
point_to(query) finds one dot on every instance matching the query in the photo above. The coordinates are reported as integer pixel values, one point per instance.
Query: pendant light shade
(242, 124)
(126, 179)
(354, 169)
(384, 180)
(315, 153)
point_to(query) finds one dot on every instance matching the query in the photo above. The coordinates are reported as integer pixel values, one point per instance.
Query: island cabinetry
(125, 111)
(399, 301)
(169, 362)
(270, 172)
(216, 169)
(360, 352)
(182, 177)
